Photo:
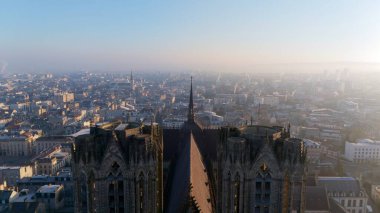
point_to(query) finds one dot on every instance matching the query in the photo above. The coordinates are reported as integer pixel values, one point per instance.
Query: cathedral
(130, 167)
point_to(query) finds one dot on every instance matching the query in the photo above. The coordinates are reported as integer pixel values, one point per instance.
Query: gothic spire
(190, 115)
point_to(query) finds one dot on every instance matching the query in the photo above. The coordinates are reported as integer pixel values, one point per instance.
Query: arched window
(111, 196)
(267, 187)
(120, 191)
(229, 191)
(263, 188)
(91, 188)
(141, 188)
(237, 193)
(153, 189)
(115, 189)
(258, 188)
(83, 192)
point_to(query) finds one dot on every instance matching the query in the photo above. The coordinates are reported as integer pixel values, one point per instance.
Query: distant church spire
(190, 115)
(132, 82)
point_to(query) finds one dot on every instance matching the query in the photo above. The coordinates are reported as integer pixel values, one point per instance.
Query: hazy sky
(57, 35)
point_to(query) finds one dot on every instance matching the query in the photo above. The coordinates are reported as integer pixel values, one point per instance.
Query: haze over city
(42, 36)
(189, 106)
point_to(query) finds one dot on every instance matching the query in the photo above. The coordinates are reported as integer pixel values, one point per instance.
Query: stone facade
(260, 169)
(15, 146)
(118, 168)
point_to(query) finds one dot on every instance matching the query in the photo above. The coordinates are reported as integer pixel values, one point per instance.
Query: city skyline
(227, 143)
(58, 36)
(214, 106)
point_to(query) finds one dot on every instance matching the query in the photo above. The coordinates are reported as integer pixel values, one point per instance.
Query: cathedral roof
(190, 180)
(258, 130)
(198, 179)
(207, 141)
(172, 138)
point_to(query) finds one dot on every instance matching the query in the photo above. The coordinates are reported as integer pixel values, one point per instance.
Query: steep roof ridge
(199, 180)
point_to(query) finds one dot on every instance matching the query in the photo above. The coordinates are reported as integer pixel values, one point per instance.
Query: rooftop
(6, 138)
(190, 172)
(24, 196)
(199, 179)
(258, 130)
(48, 188)
(44, 178)
(50, 138)
(316, 198)
(345, 185)
(9, 167)
(336, 179)
(121, 127)
(60, 154)
(39, 177)
(81, 132)
(309, 142)
(367, 142)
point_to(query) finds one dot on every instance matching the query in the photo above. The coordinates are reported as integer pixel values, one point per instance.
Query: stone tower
(260, 170)
(118, 168)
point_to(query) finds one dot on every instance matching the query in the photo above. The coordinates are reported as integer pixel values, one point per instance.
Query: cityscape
(184, 109)
(82, 141)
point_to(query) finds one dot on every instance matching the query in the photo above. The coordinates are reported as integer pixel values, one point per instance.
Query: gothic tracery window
(237, 193)
(141, 191)
(229, 191)
(115, 189)
(263, 187)
(83, 191)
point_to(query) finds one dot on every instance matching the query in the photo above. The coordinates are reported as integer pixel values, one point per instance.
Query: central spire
(190, 115)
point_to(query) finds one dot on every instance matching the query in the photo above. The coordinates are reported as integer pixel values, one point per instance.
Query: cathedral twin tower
(128, 167)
